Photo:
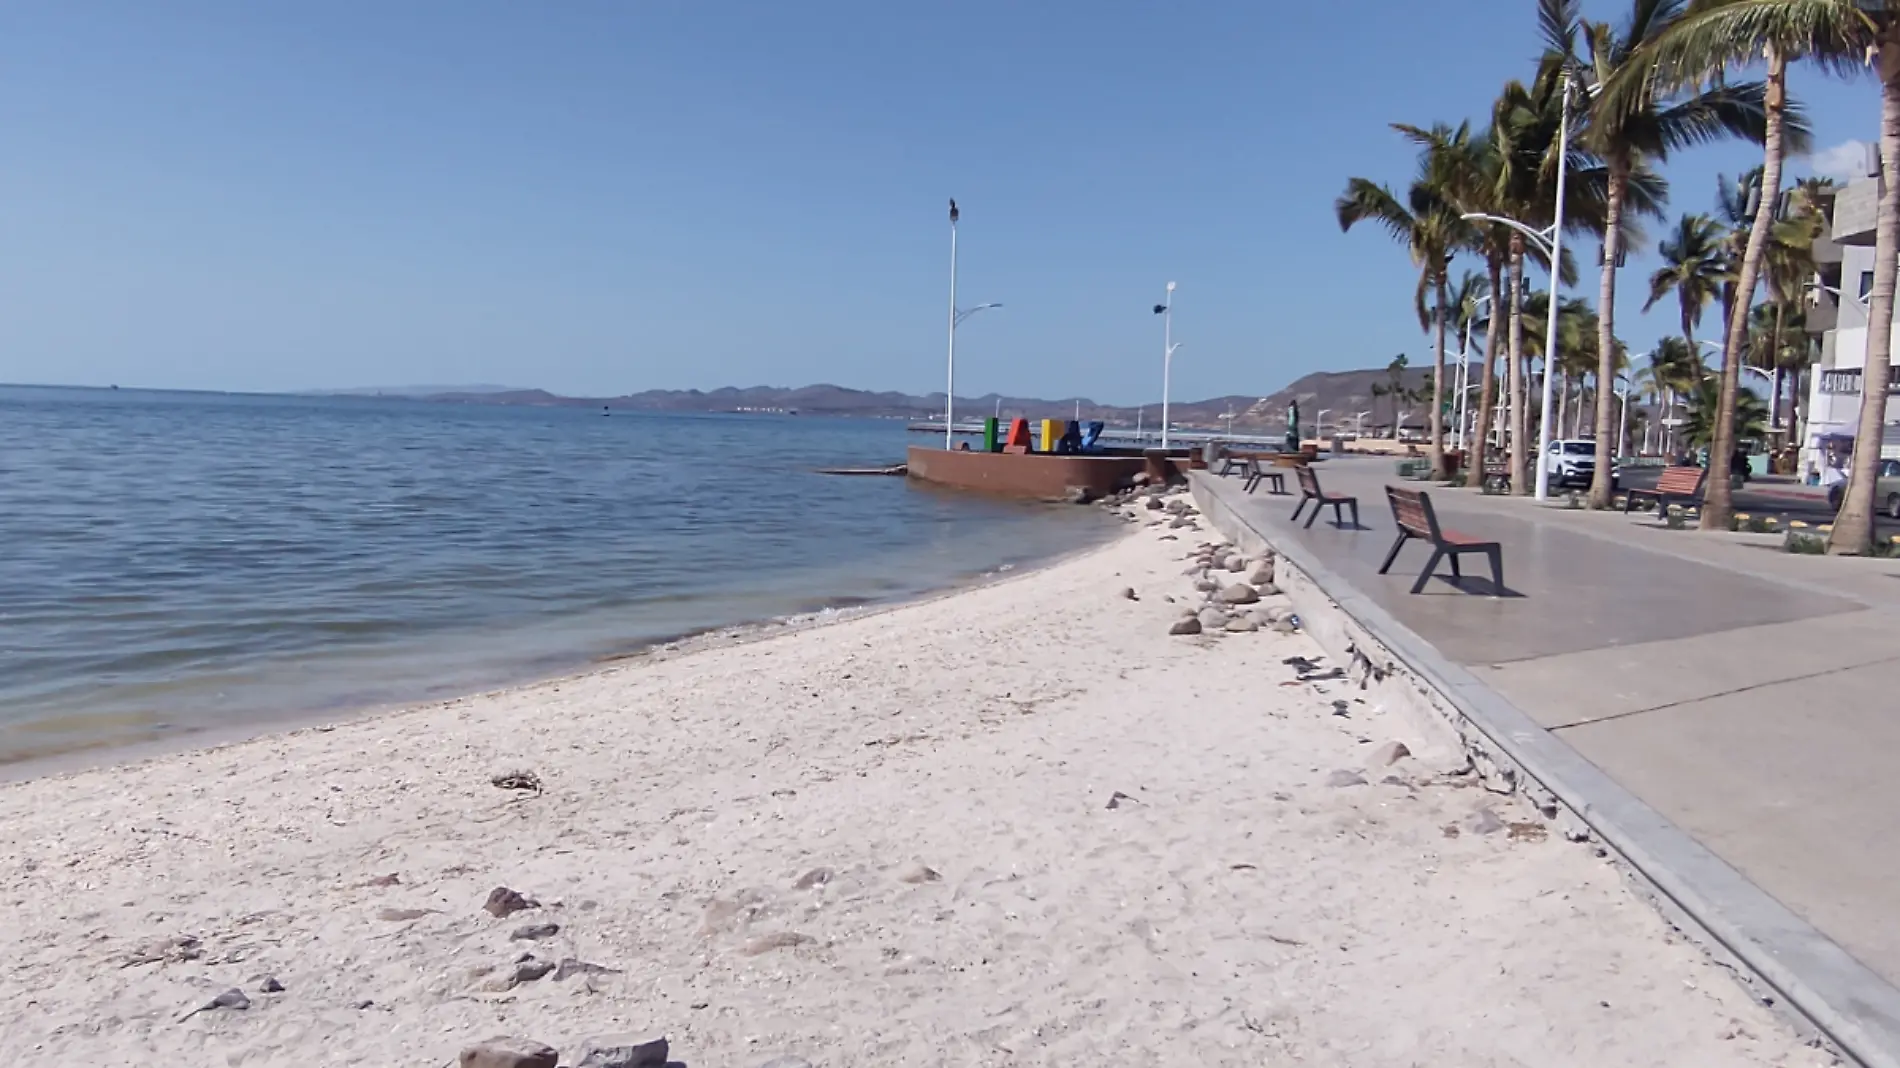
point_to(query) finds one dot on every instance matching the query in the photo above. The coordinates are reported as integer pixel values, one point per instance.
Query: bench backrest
(1680, 481)
(1412, 511)
(1309, 482)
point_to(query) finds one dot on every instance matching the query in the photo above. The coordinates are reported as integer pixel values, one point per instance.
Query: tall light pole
(950, 386)
(1319, 422)
(1464, 369)
(1550, 241)
(956, 318)
(1166, 311)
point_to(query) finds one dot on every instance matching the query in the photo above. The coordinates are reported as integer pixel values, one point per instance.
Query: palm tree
(1676, 366)
(1431, 229)
(1638, 128)
(1840, 36)
(1469, 174)
(1702, 430)
(1694, 268)
(1468, 296)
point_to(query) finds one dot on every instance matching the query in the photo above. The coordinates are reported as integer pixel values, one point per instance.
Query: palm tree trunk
(1606, 330)
(1854, 526)
(1718, 498)
(1437, 450)
(1520, 424)
(1488, 391)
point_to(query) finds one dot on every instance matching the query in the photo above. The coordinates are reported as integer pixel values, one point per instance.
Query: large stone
(1180, 522)
(1389, 754)
(1344, 777)
(1263, 574)
(534, 932)
(1190, 625)
(1212, 618)
(514, 975)
(1484, 821)
(1236, 563)
(1242, 625)
(1155, 505)
(1176, 505)
(917, 872)
(505, 902)
(508, 1052)
(623, 1051)
(1206, 585)
(1239, 593)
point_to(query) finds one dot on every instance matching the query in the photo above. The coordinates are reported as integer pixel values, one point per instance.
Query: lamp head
(1170, 287)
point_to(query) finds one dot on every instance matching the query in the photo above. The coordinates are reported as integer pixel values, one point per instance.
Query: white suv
(1571, 463)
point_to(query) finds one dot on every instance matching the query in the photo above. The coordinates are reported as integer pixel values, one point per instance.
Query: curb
(1856, 1010)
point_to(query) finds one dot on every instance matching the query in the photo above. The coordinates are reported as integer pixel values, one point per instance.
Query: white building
(1838, 313)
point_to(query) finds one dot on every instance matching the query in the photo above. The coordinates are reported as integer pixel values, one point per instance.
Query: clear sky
(603, 196)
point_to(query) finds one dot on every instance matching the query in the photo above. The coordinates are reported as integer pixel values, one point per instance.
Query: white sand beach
(1019, 824)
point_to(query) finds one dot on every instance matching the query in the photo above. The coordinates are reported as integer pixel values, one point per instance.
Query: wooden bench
(1676, 485)
(1261, 474)
(1412, 511)
(1310, 491)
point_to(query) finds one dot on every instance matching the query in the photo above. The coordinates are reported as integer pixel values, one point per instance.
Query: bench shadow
(1475, 586)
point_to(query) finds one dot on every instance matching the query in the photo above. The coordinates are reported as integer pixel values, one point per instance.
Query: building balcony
(1855, 207)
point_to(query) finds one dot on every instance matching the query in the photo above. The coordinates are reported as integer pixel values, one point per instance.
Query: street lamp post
(1464, 371)
(1551, 242)
(956, 319)
(1319, 422)
(1166, 311)
(950, 386)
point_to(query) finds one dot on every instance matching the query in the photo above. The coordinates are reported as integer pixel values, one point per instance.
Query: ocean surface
(176, 562)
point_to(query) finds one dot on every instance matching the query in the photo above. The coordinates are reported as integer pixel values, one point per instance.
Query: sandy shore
(1018, 825)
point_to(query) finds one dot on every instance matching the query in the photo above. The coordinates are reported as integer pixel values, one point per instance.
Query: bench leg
(1252, 483)
(1279, 484)
(1314, 514)
(1455, 572)
(1301, 508)
(1353, 503)
(1426, 575)
(1394, 554)
(1496, 553)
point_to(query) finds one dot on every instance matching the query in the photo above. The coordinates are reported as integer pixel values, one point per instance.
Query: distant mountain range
(1342, 394)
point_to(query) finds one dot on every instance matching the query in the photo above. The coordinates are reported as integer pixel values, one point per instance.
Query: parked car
(1571, 463)
(1886, 490)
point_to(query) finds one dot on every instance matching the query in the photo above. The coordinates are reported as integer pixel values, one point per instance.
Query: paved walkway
(1749, 695)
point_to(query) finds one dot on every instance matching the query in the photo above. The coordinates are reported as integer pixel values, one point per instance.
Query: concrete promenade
(1748, 696)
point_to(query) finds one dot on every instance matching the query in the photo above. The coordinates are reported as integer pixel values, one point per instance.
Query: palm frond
(1717, 34)
(1557, 23)
(1368, 201)
(1739, 111)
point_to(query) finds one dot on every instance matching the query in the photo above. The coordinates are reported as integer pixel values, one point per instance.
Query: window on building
(1866, 285)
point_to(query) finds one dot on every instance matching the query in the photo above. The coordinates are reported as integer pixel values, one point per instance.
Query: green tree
(1705, 407)
(1469, 174)
(1638, 128)
(1428, 224)
(1526, 122)
(1840, 36)
(1676, 368)
(1694, 269)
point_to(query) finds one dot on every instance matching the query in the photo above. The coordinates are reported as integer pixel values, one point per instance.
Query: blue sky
(601, 197)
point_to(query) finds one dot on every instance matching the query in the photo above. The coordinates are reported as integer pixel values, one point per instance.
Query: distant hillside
(1341, 393)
